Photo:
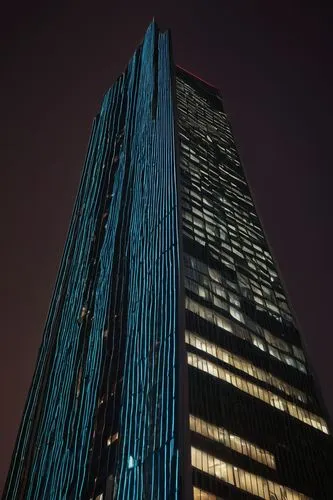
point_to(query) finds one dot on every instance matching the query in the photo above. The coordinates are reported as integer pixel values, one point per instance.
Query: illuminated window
(223, 235)
(246, 481)
(258, 343)
(301, 367)
(243, 365)
(187, 216)
(227, 263)
(208, 218)
(232, 441)
(218, 303)
(274, 352)
(272, 307)
(289, 360)
(198, 222)
(218, 290)
(258, 300)
(197, 212)
(203, 292)
(257, 392)
(234, 299)
(199, 494)
(112, 439)
(199, 232)
(257, 290)
(276, 342)
(236, 314)
(210, 229)
(215, 275)
(252, 265)
(200, 240)
(222, 322)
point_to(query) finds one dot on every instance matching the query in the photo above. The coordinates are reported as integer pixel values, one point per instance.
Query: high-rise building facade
(170, 365)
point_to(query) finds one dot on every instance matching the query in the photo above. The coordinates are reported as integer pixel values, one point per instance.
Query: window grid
(246, 481)
(232, 441)
(264, 395)
(242, 364)
(240, 332)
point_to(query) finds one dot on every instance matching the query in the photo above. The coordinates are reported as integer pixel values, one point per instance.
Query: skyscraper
(170, 365)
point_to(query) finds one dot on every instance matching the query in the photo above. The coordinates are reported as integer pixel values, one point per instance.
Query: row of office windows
(199, 494)
(196, 148)
(199, 153)
(225, 181)
(222, 298)
(241, 234)
(203, 174)
(225, 300)
(244, 224)
(200, 172)
(211, 142)
(217, 238)
(243, 202)
(209, 122)
(191, 103)
(236, 201)
(236, 443)
(247, 284)
(246, 481)
(202, 165)
(254, 390)
(243, 365)
(209, 135)
(220, 253)
(212, 280)
(227, 249)
(259, 291)
(220, 216)
(261, 285)
(197, 179)
(206, 118)
(196, 194)
(231, 327)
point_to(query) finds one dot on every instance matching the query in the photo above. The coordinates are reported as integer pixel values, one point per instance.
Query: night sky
(273, 62)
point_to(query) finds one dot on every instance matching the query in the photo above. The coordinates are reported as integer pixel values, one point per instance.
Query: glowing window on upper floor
(232, 441)
(222, 322)
(255, 391)
(199, 494)
(243, 365)
(246, 481)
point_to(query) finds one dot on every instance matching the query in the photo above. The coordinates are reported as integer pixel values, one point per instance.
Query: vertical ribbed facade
(170, 366)
(101, 413)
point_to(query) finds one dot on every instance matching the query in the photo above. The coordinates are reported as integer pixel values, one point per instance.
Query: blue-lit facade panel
(149, 464)
(100, 418)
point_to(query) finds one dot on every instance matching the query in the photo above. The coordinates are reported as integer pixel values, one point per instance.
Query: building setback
(170, 366)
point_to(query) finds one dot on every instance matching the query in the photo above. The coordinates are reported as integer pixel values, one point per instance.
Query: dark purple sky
(273, 63)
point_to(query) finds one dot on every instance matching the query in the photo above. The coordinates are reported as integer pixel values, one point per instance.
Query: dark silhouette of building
(170, 365)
